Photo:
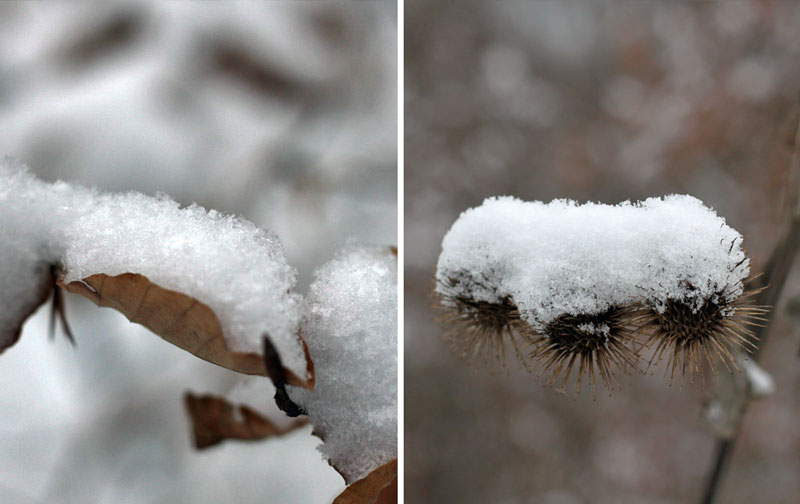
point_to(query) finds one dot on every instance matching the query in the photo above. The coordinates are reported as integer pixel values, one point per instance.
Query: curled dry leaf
(378, 487)
(9, 334)
(214, 420)
(180, 319)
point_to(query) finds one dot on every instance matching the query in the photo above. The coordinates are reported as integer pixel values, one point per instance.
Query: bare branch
(774, 278)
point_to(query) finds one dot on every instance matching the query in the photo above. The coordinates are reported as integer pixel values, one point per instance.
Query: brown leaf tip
(378, 487)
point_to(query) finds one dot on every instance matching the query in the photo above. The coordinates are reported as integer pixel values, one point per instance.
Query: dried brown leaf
(214, 420)
(389, 493)
(10, 335)
(378, 487)
(180, 319)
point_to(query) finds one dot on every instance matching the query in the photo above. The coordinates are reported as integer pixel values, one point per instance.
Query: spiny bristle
(480, 330)
(688, 335)
(601, 341)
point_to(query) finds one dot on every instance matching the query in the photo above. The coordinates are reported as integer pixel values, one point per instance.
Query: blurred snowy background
(602, 101)
(282, 113)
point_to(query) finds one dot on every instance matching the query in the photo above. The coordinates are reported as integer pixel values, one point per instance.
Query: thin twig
(58, 310)
(276, 373)
(775, 275)
(724, 448)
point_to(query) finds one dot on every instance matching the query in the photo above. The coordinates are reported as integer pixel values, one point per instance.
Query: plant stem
(775, 275)
(724, 448)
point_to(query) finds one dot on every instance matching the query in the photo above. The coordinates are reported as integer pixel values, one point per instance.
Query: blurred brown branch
(774, 279)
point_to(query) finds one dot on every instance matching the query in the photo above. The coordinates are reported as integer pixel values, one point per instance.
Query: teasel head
(480, 330)
(690, 333)
(596, 343)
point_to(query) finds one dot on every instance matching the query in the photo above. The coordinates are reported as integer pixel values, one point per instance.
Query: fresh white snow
(350, 325)
(225, 262)
(349, 319)
(567, 258)
(33, 216)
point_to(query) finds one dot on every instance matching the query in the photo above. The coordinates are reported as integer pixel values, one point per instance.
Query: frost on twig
(592, 285)
(732, 393)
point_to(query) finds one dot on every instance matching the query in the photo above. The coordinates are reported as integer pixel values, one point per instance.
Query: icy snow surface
(351, 329)
(565, 258)
(225, 262)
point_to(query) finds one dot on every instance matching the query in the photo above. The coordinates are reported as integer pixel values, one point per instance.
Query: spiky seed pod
(603, 341)
(480, 330)
(687, 335)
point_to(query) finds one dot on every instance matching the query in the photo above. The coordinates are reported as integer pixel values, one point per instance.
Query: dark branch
(775, 275)
(276, 373)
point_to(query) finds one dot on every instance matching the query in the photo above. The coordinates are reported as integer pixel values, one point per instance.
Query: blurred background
(282, 113)
(602, 101)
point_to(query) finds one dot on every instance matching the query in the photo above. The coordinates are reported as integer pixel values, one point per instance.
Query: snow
(761, 382)
(32, 217)
(350, 326)
(225, 262)
(239, 271)
(568, 258)
(592, 328)
(153, 113)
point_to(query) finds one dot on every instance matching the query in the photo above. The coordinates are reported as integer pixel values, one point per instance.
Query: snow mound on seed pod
(228, 263)
(566, 258)
(351, 331)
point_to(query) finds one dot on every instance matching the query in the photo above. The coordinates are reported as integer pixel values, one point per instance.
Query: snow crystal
(351, 330)
(225, 262)
(33, 215)
(597, 330)
(566, 258)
